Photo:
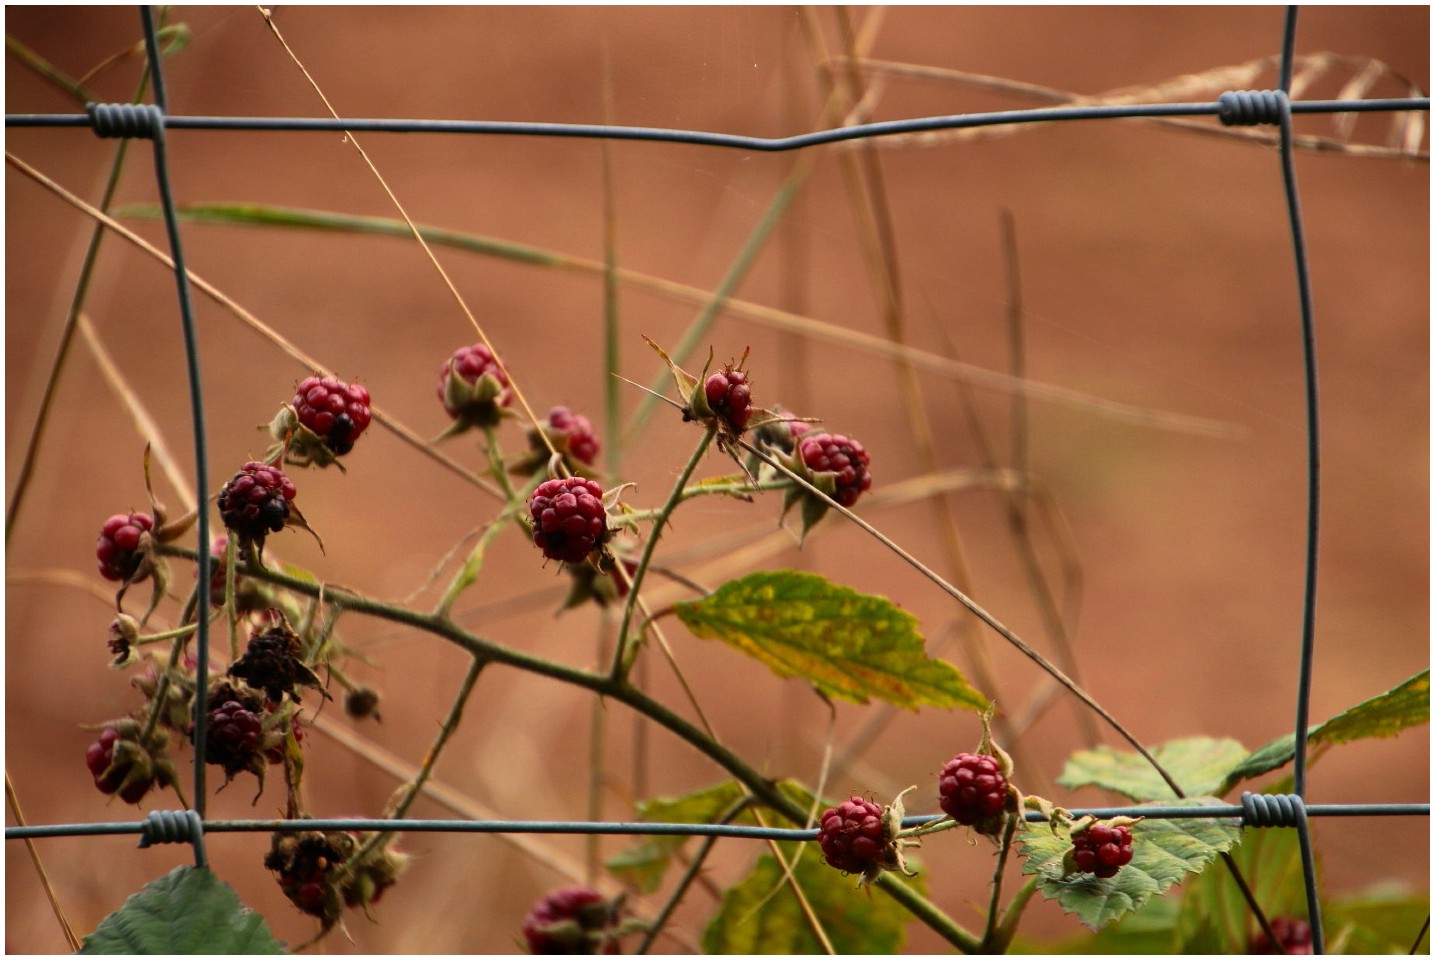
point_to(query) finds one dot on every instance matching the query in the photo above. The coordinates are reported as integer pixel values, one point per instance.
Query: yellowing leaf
(846, 644)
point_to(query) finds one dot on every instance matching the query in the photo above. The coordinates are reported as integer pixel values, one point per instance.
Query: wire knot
(142, 120)
(1272, 810)
(1249, 108)
(171, 826)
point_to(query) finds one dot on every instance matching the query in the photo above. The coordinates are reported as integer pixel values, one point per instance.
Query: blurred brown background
(1156, 271)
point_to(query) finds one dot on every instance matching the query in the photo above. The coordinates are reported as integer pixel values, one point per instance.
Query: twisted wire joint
(125, 119)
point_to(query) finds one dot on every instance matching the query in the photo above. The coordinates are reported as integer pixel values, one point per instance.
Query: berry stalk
(620, 667)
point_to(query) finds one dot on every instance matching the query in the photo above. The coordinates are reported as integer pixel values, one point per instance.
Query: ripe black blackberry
(256, 502)
(973, 791)
(569, 520)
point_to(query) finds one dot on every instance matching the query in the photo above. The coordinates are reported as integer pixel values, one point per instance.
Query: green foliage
(761, 914)
(1148, 930)
(643, 864)
(1198, 764)
(187, 911)
(844, 643)
(1164, 852)
(1383, 716)
(1380, 921)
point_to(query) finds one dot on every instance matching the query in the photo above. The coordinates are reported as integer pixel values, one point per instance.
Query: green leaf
(1163, 853)
(1383, 716)
(643, 864)
(1150, 931)
(762, 915)
(187, 911)
(1198, 764)
(846, 644)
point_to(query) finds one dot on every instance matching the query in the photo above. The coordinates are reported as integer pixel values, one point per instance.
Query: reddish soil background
(1156, 271)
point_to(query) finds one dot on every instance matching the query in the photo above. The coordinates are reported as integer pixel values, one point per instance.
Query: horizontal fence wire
(618, 828)
(738, 141)
(1238, 108)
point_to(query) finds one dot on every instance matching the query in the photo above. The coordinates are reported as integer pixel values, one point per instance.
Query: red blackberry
(121, 764)
(118, 550)
(1102, 849)
(235, 734)
(844, 459)
(853, 837)
(572, 920)
(729, 397)
(973, 791)
(473, 387)
(256, 502)
(1292, 936)
(578, 439)
(337, 411)
(569, 520)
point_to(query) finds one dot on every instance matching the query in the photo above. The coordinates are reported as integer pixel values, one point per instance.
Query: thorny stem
(1009, 826)
(613, 688)
(619, 671)
(411, 792)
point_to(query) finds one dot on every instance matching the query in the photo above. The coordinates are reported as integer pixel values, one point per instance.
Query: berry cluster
(973, 791)
(729, 397)
(126, 763)
(853, 837)
(1293, 935)
(572, 920)
(473, 388)
(1101, 849)
(569, 519)
(118, 551)
(306, 865)
(334, 410)
(256, 502)
(842, 459)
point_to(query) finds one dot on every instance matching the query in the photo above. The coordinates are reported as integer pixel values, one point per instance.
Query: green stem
(1007, 928)
(927, 912)
(659, 522)
(1009, 826)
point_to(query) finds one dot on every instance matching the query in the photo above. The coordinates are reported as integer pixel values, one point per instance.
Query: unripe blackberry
(121, 764)
(853, 837)
(256, 501)
(1293, 935)
(118, 552)
(1101, 849)
(569, 520)
(844, 459)
(573, 920)
(473, 387)
(580, 443)
(729, 397)
(973, 791)
(337, 411)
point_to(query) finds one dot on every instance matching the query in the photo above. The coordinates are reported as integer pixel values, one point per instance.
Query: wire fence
(1234, 108)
